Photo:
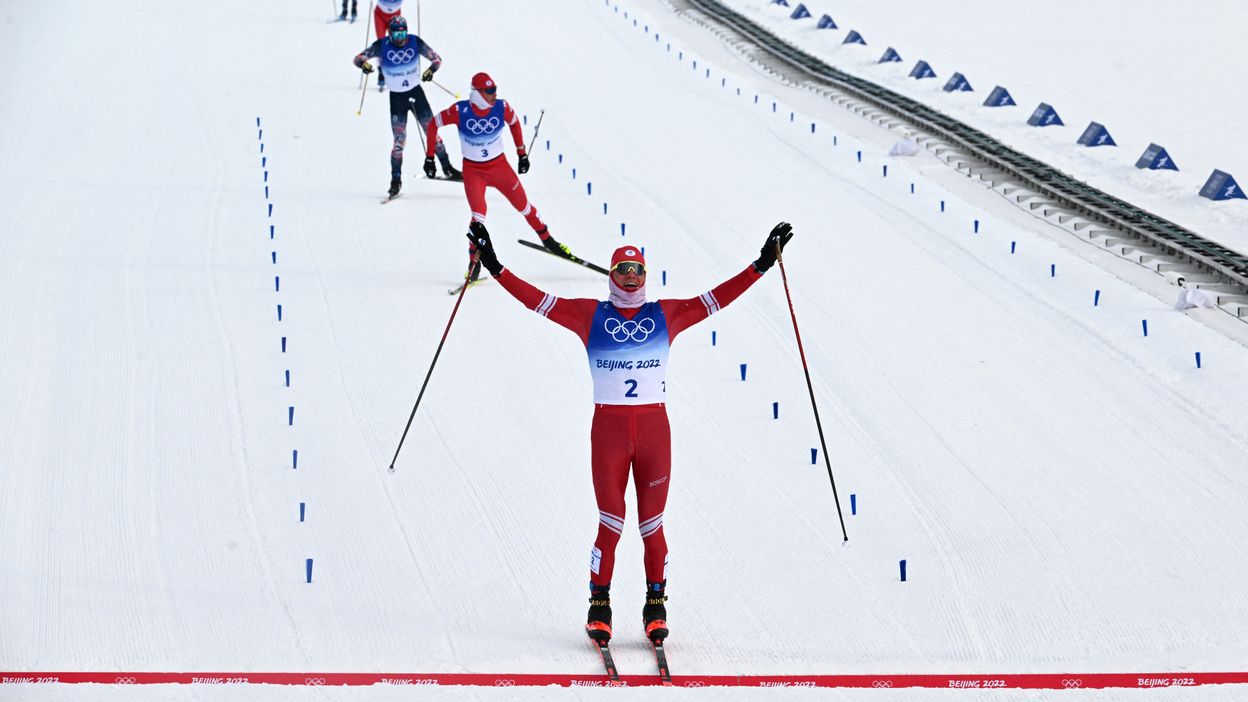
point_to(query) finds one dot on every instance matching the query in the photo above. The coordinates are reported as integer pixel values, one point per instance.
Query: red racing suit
(629, 429)
(484, 162)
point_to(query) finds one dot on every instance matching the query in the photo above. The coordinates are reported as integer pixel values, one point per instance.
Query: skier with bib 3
(399, 54)
(481, 120)
(627, 339)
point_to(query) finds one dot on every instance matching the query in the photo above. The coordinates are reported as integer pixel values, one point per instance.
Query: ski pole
(818, 425)
(420, 128)
(474, 265)
(536, 127)
(367, 27)
(443, 87)
(363, 91)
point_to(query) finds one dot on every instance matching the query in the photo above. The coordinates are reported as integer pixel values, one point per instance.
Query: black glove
(780, 234)
(430, 169)
(522, 164)
(480, 238)
(427, 75)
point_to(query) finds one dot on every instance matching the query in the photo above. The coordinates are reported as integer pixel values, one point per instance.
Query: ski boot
(598, 623)
(381, 82)
(452, 173)
(553, 246)
(396, 184)
(654, 614)
(343, 16)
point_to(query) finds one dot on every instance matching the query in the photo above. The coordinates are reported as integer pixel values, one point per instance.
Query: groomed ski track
(1066, 491)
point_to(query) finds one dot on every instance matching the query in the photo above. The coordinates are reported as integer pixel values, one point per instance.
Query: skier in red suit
(481, 120)
(627, 339)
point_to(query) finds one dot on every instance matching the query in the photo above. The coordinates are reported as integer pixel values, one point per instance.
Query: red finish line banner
(1028, 681)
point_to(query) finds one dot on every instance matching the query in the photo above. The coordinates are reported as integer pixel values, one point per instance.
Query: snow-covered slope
(1066, 491)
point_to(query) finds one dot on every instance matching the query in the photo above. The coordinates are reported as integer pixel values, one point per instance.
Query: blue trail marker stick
(309, 569)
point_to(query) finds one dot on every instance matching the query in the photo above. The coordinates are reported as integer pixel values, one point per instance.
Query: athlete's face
(629, 275)
(489, 95)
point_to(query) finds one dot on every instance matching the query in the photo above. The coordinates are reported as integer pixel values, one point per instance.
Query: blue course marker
(279, 313)
(290, 416)
(853, 503)
(271, 231)
(1013, 245)
(589, 188)
(1096, 299)
(277, 283)
(1052, 270)
(775, 410)
(664, 277)
(283, 344)
(1198, 359)
(977, 226)
(1144, 323)
(604, 208)
(273, 254)
(712, 338)
(743, 371)
(302, 510)
(309, 569)
(903, 570)
(942, 205)
(814, 456)
(294, 459)
(621, 229)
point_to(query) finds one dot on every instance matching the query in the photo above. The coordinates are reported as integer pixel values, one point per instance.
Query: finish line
(1023, 681)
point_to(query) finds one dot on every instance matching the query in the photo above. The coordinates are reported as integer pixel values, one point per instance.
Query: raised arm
(576, 315)
(682, 314)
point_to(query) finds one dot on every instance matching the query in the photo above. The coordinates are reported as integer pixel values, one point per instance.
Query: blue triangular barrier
(958, 83)
(1155, 158)
(825, 22)
(854, 38)
(999, 97)
(1044, 116)
(1096, 135)
(800, 13)
(783, 3)
(922, 70)
(1221, 186)
(890, 56)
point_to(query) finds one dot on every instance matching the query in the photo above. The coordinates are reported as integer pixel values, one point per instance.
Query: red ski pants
(381, 20)
(496, 173)
(636, 436)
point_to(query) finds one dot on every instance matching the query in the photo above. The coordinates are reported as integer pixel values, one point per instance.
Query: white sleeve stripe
(712, 305)
(438, 118)
(546, 305)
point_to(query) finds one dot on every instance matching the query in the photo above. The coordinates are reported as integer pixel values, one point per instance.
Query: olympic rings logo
(481, 126)
(694, 683)
(504, 683)
(402, 56)
(126, 681)
(881, 683)
(1071, 683)
(629, 329)
(314, 681)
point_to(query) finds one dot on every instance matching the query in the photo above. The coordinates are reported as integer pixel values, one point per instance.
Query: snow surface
(1149, 70)
(1067, 492)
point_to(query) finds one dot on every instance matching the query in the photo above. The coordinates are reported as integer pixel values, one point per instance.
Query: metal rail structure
(1062, 190)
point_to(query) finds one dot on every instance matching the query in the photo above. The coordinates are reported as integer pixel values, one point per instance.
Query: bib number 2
(632, 388)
